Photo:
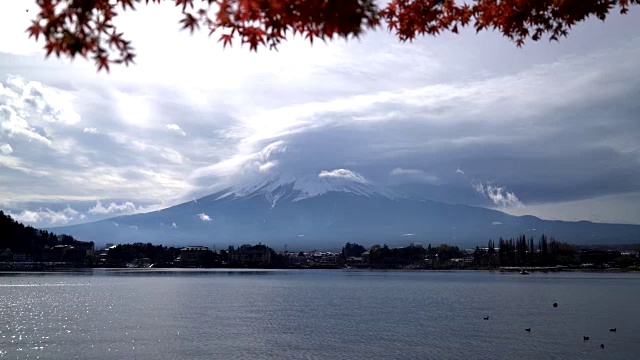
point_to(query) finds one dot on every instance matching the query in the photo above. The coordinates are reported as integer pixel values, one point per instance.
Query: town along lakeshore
(24, 248)
(510, 256)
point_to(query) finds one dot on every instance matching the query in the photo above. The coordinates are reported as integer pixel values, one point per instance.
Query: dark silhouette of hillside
(26, 239)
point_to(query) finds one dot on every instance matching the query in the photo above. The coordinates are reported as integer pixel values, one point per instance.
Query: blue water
(307, 314)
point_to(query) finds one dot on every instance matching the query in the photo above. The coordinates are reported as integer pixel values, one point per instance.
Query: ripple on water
(317, 315)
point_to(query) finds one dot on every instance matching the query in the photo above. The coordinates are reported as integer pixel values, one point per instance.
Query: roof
(195, 248)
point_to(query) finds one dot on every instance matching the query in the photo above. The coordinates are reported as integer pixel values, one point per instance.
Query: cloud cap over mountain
(549, 130)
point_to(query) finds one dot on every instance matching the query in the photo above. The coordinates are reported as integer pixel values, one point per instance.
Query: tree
(544, 249)
(86, 27)
(352, 250)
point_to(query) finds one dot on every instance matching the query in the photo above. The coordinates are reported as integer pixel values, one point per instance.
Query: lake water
(307, 314)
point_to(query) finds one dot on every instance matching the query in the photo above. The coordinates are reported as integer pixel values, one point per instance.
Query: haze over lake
(333, 314)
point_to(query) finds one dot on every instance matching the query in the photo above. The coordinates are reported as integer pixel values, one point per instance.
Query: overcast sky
(550, 130)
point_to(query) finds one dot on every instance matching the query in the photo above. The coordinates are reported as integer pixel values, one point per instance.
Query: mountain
(326, 212)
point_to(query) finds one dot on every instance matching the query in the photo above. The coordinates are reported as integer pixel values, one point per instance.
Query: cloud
(37, 101)
(6, 149)
(90, 130)
(496, 223)
(174, 226)
(125, 207)
(134, 227)
(172, 155)
(13, 124)
(267, 166)
(176, 128)
(483, 110)
(413, 175)
(46, 216)
(409, 234)
(458, 171)
(241, 168)
(497, 194)
(342, 174)
(204, 217)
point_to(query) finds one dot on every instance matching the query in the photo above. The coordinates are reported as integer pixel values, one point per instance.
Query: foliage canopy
(86, 27)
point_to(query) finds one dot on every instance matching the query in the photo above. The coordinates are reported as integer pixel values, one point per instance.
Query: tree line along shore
(26, 248)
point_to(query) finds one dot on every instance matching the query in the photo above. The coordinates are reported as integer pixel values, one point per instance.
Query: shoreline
(72, 269)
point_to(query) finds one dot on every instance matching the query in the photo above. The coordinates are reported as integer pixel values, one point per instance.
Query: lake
(318, 314)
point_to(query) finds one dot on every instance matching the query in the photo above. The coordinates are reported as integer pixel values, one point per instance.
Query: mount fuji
(327, 210)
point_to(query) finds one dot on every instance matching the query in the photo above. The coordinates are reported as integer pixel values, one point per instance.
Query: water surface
(324, 314)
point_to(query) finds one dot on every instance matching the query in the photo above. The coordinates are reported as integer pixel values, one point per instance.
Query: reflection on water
(276, 314)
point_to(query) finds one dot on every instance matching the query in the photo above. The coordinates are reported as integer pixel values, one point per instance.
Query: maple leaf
(190, 22)
(86, 27)
(226, 40)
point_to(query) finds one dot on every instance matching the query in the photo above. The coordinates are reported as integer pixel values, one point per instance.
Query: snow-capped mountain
(288, 187)
(326, 211)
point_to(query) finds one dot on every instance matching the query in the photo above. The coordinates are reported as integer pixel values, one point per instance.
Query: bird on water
(487, 318)
(613, 330)
(527, 329)
(601, 346)
(585, 338)
(555, 304)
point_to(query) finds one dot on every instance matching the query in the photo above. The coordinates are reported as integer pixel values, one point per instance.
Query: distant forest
(26, 239)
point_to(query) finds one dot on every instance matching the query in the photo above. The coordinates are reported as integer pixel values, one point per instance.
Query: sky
(550, 129)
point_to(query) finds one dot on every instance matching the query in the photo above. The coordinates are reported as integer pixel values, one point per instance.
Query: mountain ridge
(276, 214)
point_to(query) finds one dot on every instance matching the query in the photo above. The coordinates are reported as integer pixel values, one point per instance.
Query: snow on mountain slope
(289, 187)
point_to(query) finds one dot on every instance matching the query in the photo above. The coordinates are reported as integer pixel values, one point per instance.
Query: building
(79, 252)
(84, 248)
(250, 255)
(19, 257)
(58, 253)
(6, 255)
(193, 255)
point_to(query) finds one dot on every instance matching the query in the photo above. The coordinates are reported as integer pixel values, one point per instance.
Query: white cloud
(82, 161)
(174, 226)
(459, 171)
(401, 171)
(6, 149)
(499, 195)
(46, 216)
(409, 234)
(172, 155)
(134, 227)
(496, 223)
(414, 175)
(342, 174)
(330, 110)
(34, 101)
(13, 124)
(125, 207)
(176, 128)
(267, 166)
(204, 217)
(90, 130)
(134, 109)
